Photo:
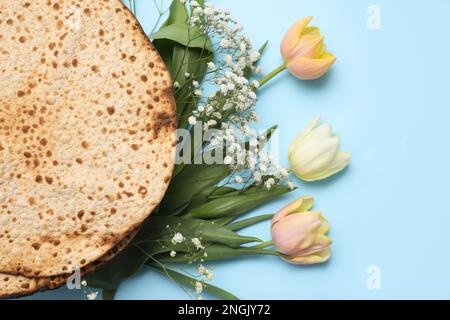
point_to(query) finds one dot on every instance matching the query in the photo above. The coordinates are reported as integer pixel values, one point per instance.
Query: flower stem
(263, 245)
(271, 75)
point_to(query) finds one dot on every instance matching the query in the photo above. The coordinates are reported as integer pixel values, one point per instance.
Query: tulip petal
(325, 226)
(296, 233)
(306, 204)
(321, 243)
(318, 257)
(310, 69)
(340, 163)
(314, 156)
(309, 46)
(292, 37)
(321, 132)
(312, 124)
(311, 31)
(300, 205)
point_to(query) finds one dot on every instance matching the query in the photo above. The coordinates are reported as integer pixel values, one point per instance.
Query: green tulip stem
(271, 75)
(263, 245)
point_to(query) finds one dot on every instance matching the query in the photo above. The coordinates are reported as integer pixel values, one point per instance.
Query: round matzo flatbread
(87, 122)
(13, 286)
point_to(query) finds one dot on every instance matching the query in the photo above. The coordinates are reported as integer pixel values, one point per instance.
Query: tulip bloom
(299, 234)
(315, 154)
(304, 52)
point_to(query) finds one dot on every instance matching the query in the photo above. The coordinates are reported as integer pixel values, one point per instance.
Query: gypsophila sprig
(88, 292)
(229, 107)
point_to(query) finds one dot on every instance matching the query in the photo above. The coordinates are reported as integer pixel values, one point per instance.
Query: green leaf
(224, 221)
(262, 49)
(239, 225)
(177, 14)
(189, 282)
(248, 73)
(194, 62)
(126, 264)
(191, 181)
(181, 60)
(216, 252)
(184, 35)
(110, 275)
(109, 294)
(206, 195)
(156, 228)
(237, 203)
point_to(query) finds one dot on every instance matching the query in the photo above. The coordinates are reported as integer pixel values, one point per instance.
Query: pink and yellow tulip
(300, 234)
(304, 52)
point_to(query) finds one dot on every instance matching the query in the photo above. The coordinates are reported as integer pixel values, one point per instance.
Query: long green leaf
(237, 203)
(216, 252)
(189, 282)
(191, 181)
(156, 228)
(239, 225)
(206, 195)
(192, 61)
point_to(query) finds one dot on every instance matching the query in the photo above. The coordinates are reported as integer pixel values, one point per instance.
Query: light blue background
(388, 98)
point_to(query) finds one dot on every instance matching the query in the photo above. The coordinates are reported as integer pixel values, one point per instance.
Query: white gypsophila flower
(238, 179)
(206, 273)
(228, 160)
(192, 120)
(257, 176)
(92, 295)
(269, 183)
(84, 283)
(198, 11)
(178, 238)
(291, 185)
(230, 107)
(197, 243)
(173, 254)
(198, 287)
(198, 93)
(210, 276)
(228, 58)
(208, 11)
(187, 75)
(196, 84)
(201, 269)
